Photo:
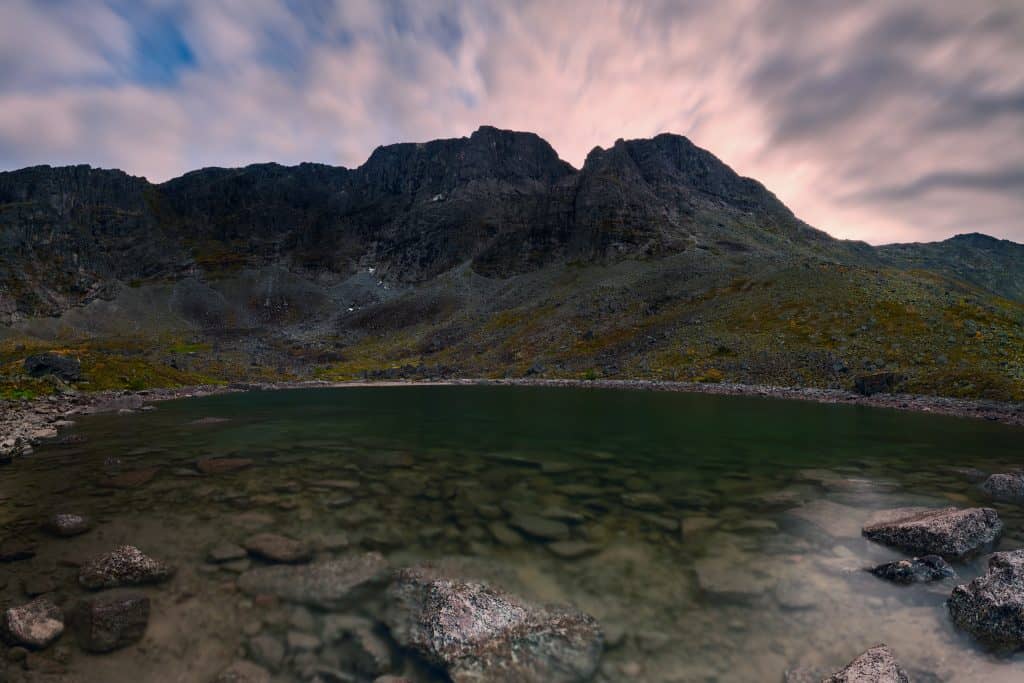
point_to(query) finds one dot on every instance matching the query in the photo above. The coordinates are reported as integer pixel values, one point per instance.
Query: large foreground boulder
(34, 625)
(877, 665)
(111, 620)
(124, 566)
(478, 633)
(1008, 487)
(330, 584)
(949, 532)
(991, 607)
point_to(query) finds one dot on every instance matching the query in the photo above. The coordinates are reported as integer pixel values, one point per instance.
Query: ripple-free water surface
(708, 575)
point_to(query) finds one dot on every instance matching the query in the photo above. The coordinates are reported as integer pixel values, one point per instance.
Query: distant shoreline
(25, 424)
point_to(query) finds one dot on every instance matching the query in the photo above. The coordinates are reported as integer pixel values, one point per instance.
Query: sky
(884, 121)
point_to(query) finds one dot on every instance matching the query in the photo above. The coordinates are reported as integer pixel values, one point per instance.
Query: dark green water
(699, 569)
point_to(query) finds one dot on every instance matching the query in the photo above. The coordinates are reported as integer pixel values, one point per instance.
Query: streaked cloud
(872, 120)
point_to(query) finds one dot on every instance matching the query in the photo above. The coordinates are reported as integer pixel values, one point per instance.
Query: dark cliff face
(500, 201)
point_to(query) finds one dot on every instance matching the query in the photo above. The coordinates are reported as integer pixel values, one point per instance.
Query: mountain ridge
(489, 254)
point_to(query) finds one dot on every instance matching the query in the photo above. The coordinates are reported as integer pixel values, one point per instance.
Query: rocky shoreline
(24, 424)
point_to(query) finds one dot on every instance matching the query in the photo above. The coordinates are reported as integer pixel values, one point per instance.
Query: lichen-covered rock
(330, 584)
(67, 524)
(278, 548)
(915, 570)
(1008, 487)
(34, 625)
(950, 532)
(111, 620)
(876, 665)
(991, 607)
(123, 566)
(478, 633)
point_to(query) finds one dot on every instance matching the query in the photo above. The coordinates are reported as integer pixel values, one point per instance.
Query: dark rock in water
(540, 527)
(111, 620)
(132, 479)
(369, 653)
(1008, 487)
(67, 524)
(34, 625)
(65, 367)
(878, 383)
(991, 607)
(477, 633)
(950, 532)
(222, 465)
(877, 665)
(243, 672)
(277, 548)
(125, 566)
(915, 570)
(331, 584)
(15, 550)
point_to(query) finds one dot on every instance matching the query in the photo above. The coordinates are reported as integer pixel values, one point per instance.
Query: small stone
(222, 465)
(67, 524)
(124, 566)
(132, 479)
(540, 527)
(111, 620)
(267, 650)
(914, 570)
(302, 642)
(504, 535)
(643, 501)
(34, 625)
(243, 672)
(226, 552)
(277, 548)
(572, 550)
(876, 665)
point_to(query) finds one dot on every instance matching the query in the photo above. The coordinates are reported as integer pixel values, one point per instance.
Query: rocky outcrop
(65, 368)
(111, 620)
(479, 633)
(950, 532)
(1007, 487)
(876, 665)
(331, 584)
(991, 607)
(915, 570)
(124, 566)
(34, 625)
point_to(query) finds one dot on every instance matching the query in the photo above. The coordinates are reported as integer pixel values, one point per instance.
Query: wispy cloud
(874, 120)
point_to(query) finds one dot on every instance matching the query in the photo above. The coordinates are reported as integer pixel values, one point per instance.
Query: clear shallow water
(725, 530)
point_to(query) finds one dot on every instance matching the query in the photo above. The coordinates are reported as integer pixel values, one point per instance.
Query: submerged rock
(915, 570)
(222, 465)
(1008, 487)
(950, 532)
(111, 620)
(124, 566)
(328, 585)
(34, 625)
(67, 524)
(225, 552)
(478, 633)
(277, 548)
(132, 479)
(877, 665)
(540, 527)
(243, 672)
(991, 607)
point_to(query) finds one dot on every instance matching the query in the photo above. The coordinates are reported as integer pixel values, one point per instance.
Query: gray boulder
(950, 532)
(123, 566)
(34, 625)
(478, 633)
(876, 665)
(1008, 487)
(915, 570)
(330, 584)
(991, 607)
(67, 524)
(111, 620)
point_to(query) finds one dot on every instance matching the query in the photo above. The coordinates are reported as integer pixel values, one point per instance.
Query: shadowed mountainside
(487, 255)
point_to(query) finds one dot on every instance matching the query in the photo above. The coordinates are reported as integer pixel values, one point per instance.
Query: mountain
(486, 255)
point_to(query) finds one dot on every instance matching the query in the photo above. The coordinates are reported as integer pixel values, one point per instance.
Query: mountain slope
(487, 255)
